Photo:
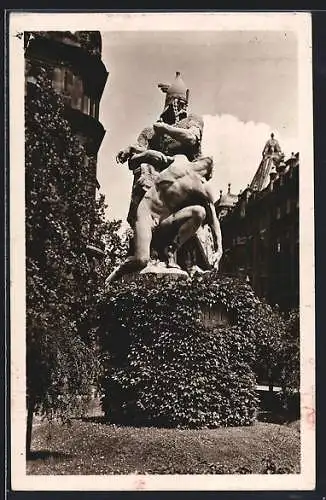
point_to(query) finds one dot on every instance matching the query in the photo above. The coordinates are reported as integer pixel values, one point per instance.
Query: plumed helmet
(175, 90)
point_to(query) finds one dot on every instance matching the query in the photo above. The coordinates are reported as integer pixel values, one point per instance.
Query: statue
(272, 160)
(171, 196)
(272, 147)
(176, 132)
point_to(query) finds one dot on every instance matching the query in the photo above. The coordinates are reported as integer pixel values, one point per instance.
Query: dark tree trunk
(30, 413)
(270, 381)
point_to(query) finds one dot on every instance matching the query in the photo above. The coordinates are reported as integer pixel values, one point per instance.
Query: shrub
(278, 347)
(270, 331)
(164, 367)
(290, 358)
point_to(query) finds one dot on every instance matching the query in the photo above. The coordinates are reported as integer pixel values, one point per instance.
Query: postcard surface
(161, 251)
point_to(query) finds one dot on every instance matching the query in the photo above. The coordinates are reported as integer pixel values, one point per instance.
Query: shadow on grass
(124, 423)
(46, 454)
(95, 420)
(277, 418)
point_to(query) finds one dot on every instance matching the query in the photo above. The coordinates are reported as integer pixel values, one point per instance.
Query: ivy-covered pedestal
(179, 352)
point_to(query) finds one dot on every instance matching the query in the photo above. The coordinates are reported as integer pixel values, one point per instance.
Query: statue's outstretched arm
(128, 152)
(155, 158)
(187, 136)
(140, 146)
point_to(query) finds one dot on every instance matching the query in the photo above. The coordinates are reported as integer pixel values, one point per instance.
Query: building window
(76, 102)
(86, 105)
(58, 79)
(278, 246)
(68, 80)
(77, 94)
(288, 206)
(97, 111)
(93, 108)
(278, 212)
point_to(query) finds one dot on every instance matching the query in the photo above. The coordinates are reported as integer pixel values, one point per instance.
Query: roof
(227, 200)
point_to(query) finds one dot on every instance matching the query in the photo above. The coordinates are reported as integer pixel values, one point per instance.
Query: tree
(61, 279)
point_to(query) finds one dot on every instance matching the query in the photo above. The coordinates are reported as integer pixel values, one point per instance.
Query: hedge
(164, 367)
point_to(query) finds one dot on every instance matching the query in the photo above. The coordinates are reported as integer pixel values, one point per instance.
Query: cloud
(236, 147)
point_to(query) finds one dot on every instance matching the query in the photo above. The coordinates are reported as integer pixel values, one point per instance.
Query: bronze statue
(171, 195)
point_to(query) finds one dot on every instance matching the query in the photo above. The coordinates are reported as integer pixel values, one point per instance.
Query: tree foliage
(61, 277)
(290, 355)
(278, 348)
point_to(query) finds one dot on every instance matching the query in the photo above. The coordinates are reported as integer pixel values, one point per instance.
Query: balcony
(87, 126)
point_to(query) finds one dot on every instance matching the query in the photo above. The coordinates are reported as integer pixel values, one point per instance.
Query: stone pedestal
(157, 270)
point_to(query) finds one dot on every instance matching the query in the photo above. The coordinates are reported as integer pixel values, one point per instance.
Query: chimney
(229, 188)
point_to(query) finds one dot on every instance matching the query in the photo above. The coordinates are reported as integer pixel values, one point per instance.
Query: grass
(91, 446)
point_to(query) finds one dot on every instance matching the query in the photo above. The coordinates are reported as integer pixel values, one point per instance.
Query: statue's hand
(123, 155)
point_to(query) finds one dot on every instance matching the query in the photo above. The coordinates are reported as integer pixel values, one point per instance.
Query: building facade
(261, 232)
(72, 60)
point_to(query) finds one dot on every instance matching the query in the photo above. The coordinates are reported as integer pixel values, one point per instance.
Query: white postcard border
(28, 21)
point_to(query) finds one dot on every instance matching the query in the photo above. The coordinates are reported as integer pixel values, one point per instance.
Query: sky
(243, 83)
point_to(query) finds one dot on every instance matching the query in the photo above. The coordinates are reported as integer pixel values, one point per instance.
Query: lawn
(91, 446)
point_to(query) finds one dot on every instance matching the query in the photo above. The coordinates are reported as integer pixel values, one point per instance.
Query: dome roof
(228, 199)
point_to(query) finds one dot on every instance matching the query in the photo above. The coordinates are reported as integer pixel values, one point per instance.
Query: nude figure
(172, 210)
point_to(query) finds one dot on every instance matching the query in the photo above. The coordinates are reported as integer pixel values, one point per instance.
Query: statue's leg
(183, 224)
(143, 237)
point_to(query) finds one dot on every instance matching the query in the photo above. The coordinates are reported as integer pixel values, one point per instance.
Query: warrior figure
(171, 195)
(176, 132)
